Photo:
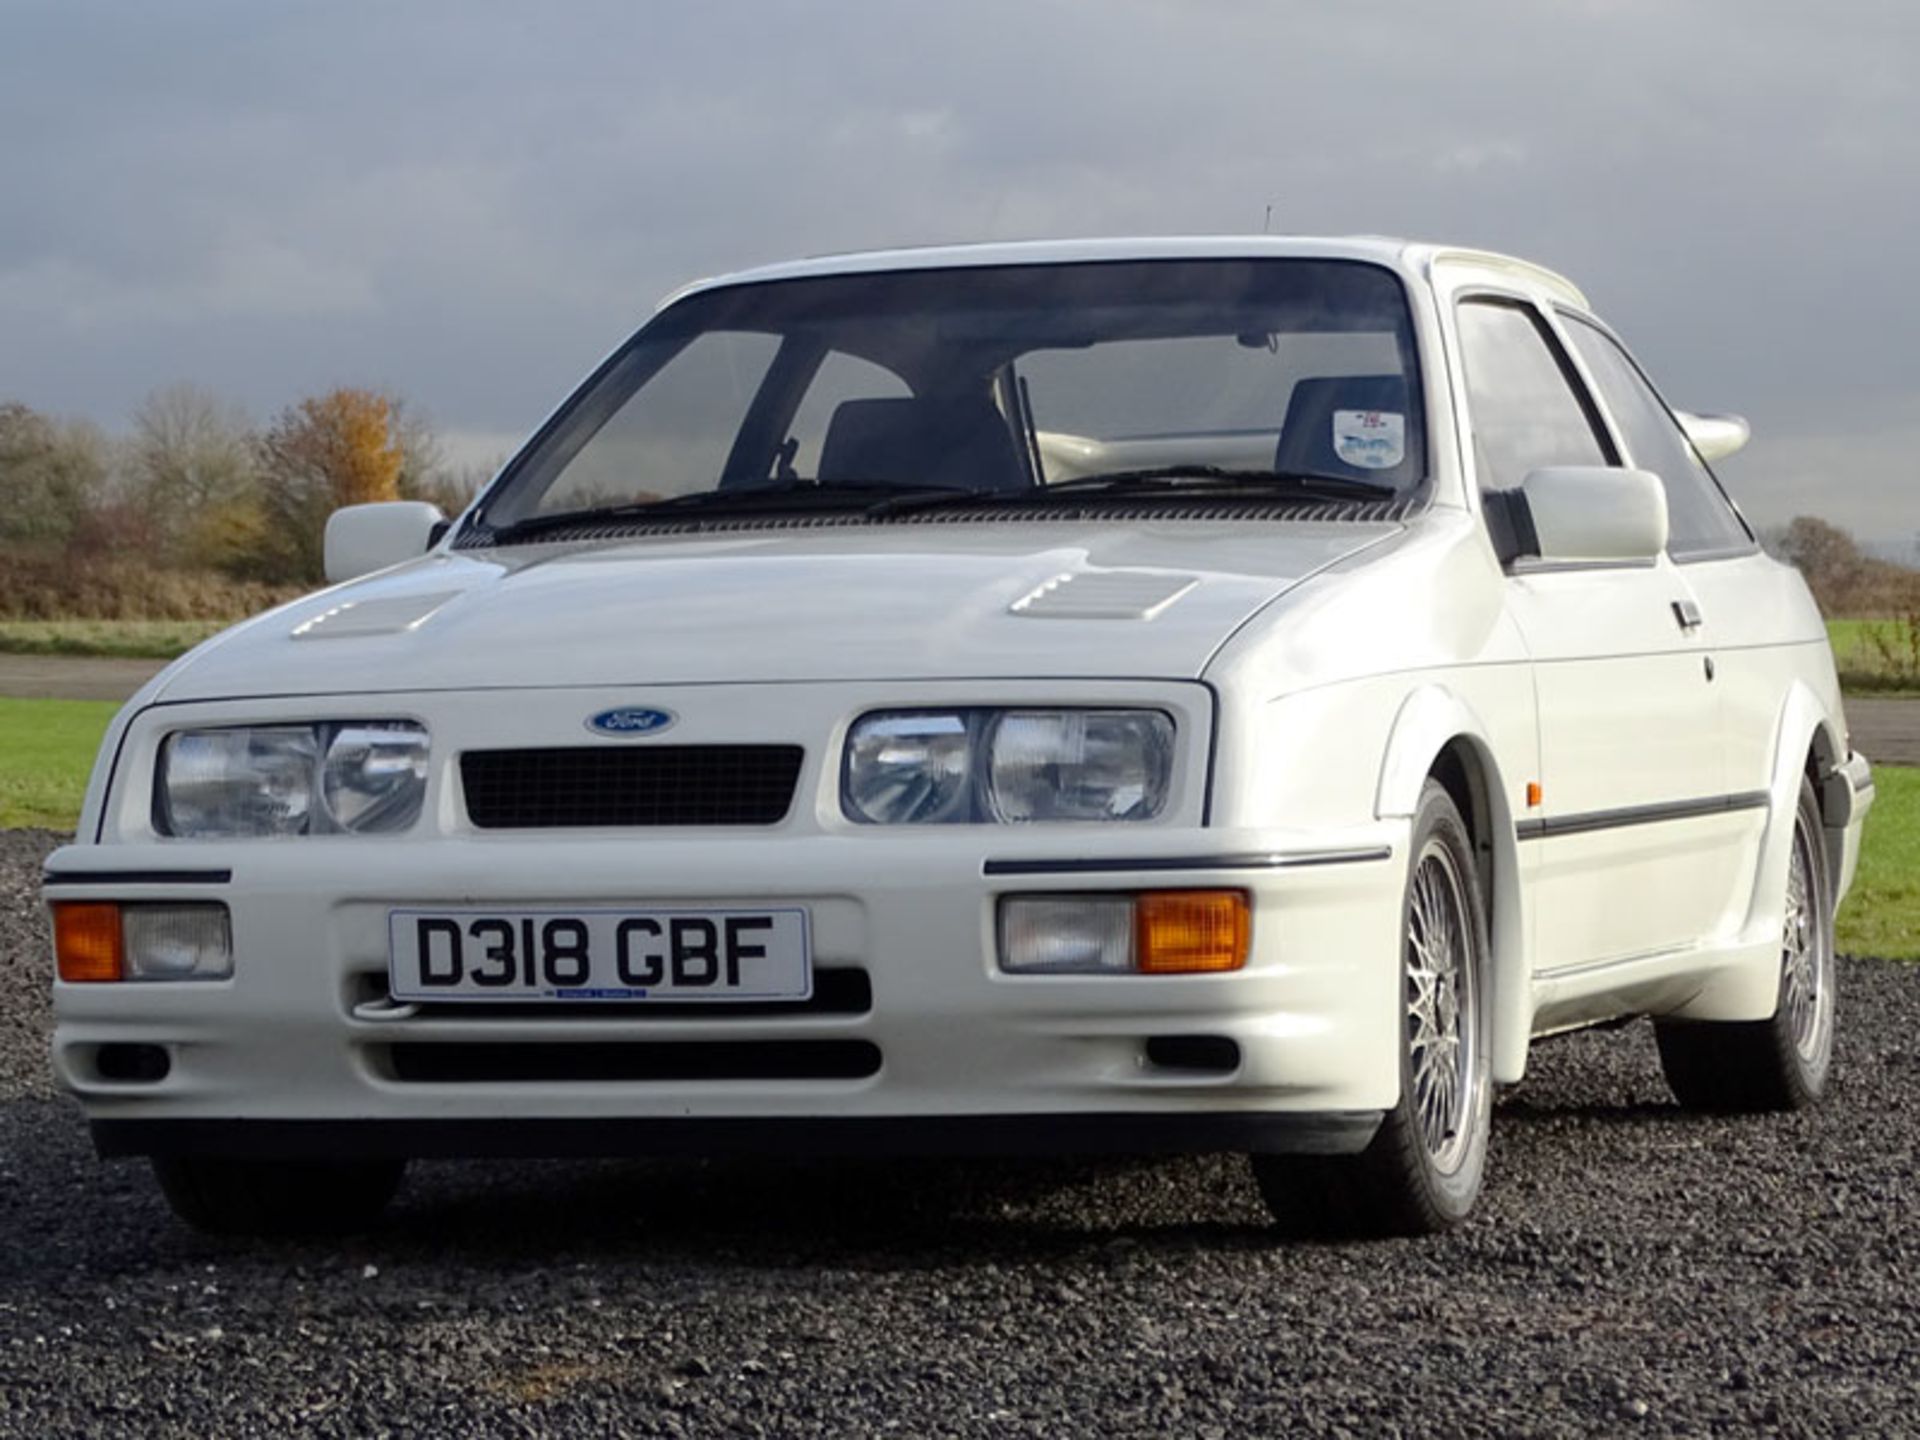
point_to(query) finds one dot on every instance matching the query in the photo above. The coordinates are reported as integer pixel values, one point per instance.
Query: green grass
(46, 751)
(1876, 656)
(131, 639)
(1881, 915)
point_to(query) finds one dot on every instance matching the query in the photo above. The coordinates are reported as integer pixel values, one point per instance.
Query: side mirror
(1596, 512)
(365, 538)
(1716, 436)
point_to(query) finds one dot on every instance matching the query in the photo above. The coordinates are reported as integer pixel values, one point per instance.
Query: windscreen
(1009, 382)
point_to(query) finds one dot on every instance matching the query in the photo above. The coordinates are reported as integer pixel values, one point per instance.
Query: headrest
(924, 440)
(1350, 425)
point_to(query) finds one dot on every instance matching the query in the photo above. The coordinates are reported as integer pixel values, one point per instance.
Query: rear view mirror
(1597, 512)
(1716, 436)
(365, 538)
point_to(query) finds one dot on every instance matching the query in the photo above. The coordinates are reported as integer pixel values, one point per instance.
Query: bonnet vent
(388, 616)
(1103, 595)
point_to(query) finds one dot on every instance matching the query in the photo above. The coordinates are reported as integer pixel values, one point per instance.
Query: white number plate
(600, 954)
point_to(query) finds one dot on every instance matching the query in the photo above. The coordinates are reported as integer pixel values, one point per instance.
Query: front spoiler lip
(1342, 1132)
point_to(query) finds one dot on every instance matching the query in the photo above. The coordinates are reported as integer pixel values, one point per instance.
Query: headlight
(363, 777)
(1079, 764)
(960, 766)
(374, 777)
(910, 769)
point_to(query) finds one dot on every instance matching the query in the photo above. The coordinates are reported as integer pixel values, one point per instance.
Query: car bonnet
(888, 602)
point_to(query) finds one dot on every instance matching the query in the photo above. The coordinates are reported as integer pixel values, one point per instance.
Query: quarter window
(1525, 412)
(1699, 519)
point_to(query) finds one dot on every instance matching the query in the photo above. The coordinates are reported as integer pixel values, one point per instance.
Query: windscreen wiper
(920, 497)
(739, 499)
(1156, 480)
(1218, 478)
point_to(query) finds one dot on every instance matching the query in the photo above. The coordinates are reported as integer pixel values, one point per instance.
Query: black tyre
(1423, 1169)
(1782, 1063)
(230, 1196)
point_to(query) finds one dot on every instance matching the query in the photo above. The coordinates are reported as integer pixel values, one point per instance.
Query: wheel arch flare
(1437, 733)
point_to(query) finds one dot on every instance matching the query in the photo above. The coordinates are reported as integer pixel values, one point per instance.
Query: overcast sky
(470, 203)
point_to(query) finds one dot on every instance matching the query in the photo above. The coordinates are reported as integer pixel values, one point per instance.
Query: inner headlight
(374, 777)
(966, 766)
(910, 769)
(359, 777)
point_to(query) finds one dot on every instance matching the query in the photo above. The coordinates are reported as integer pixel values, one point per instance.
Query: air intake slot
(1194, 1054)
(485, 1062)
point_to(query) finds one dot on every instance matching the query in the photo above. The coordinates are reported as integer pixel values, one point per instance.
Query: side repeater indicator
(630, 722)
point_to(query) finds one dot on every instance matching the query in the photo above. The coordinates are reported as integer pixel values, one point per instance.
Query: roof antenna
(1266, 226)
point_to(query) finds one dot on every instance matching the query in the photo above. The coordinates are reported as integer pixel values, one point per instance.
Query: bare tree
(191, 466)
(52, 473)
(1844, 580)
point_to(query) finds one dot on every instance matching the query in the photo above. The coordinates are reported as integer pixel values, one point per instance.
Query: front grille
(583, 785)
(481, 1062)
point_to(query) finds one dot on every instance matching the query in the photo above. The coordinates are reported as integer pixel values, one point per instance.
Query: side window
(1699, 519)
(1526, 412)
(839, 378)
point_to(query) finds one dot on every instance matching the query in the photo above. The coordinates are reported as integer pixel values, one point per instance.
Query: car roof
(1411, 257)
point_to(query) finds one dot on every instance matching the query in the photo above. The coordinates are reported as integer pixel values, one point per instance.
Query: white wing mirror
(1596, 512)
(1716, 436)
(365, 538)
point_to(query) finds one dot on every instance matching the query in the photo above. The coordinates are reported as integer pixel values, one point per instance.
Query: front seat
(1328, 430)
(957, 441)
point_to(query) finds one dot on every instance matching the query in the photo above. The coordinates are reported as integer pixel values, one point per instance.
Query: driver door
(1624, 846)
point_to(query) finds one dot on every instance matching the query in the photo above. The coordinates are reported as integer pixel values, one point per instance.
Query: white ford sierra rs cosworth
(1160, 695)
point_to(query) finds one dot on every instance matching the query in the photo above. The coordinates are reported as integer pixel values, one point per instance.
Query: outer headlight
(962, 766)
(1079, 764)
(238, 782)
(364, 777)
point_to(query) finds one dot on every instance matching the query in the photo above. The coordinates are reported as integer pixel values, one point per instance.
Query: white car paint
(1315, 670)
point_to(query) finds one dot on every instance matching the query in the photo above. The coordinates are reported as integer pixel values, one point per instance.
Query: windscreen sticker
(1370, 439)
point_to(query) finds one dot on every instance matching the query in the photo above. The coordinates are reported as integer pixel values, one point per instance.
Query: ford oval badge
(630, 720)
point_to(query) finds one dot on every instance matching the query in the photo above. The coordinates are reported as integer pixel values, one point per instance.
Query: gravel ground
(1632, 1271)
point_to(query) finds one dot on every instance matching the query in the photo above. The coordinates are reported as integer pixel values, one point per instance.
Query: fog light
(178, 942)
(86, 942)
(1188, 931)
(1066, 934)
(133, 1064)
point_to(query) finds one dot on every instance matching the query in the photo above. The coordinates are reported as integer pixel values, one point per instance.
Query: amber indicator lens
(86, 942)
(1191, 931)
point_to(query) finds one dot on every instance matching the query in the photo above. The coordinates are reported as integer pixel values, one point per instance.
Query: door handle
(1686, 614)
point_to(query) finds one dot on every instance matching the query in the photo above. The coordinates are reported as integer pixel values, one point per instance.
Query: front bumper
(1144, 1132)
(297, 1054)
